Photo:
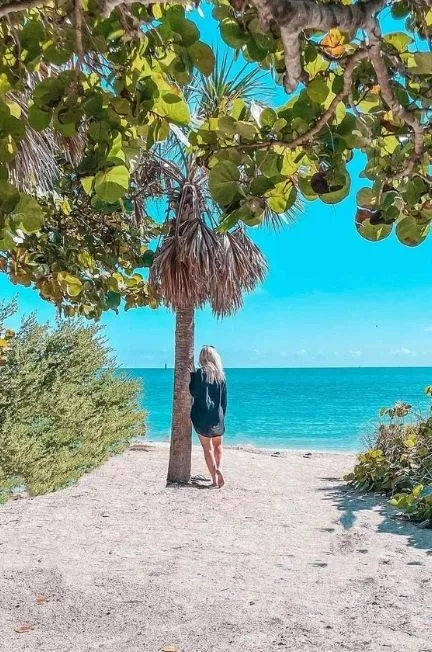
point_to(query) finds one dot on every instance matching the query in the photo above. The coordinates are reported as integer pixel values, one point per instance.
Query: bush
(399, 463)
(64, 408)
(400, 454)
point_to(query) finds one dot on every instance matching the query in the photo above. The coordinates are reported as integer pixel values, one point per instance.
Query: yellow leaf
(334, 43)
(14, 109)
(289, 165)
(157, 11)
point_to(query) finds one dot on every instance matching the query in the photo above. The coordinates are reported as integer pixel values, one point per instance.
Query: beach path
(284, 557)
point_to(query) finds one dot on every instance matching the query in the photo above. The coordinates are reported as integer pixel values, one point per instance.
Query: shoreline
(259, 450)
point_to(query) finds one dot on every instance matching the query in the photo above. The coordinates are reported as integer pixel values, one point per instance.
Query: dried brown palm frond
(36, 164)
(195, 265)
(183, 264)
(72, 147)
(35, 167)
(158, 177)
(148, 176)
(241, 267)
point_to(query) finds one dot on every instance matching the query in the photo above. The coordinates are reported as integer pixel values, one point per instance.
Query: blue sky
(330, 299)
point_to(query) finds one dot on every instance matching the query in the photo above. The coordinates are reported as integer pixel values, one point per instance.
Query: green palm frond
(277, 221)
(213, 94)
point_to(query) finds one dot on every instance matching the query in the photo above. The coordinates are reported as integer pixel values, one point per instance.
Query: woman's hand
(191, 366)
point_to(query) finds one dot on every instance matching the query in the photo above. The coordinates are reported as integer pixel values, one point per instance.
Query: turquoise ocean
(313, 409)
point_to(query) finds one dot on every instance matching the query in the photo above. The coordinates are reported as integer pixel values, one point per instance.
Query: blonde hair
(211, 365)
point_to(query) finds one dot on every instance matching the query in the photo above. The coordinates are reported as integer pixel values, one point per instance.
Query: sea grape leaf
(39, 119)
(372, 232)
(398, 40)
(111, 185)
(223, 182)
(9, 197)
(173, 107)
(318, 90)
(410, 232)
(28, 214)
(202, 57)
(282, 197)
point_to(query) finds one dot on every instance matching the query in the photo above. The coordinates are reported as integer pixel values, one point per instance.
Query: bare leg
(218, 454)
(218, 450)
(207, 444)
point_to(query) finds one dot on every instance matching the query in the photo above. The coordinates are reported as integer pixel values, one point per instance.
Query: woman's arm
(192, 383)
(224, 398)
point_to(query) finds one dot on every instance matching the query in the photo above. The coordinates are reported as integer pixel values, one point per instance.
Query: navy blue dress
(209, 405)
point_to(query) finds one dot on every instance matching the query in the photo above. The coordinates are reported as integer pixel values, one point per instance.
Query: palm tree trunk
(179, 469)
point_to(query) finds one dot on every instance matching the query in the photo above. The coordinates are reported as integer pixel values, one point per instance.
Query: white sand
(284, 557)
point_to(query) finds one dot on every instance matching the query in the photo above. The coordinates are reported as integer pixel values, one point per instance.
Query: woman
(208, 388)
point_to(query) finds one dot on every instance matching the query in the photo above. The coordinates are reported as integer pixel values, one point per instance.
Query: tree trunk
(179, 469)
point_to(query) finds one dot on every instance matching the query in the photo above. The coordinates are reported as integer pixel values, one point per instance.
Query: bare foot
(220, 479)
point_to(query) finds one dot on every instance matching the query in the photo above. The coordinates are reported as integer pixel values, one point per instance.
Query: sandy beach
(284, 557)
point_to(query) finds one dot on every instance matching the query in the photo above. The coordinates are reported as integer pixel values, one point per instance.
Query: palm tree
(195, 263)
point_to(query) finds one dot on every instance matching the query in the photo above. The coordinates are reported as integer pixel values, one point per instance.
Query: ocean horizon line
(366, 367)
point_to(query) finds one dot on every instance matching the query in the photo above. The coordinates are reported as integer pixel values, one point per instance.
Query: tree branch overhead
(114, 76)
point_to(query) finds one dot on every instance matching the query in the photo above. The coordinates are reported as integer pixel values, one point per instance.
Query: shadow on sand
(349, 502)
(196, 482)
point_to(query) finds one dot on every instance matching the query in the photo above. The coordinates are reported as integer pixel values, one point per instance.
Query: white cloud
(403, 350)
(355, 352)
(302, 352)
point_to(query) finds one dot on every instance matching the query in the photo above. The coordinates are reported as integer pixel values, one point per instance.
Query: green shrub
(373, 472)
(64, 408)
(417, 504)
(399, 463)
